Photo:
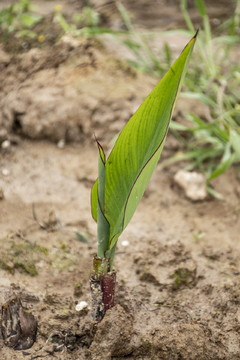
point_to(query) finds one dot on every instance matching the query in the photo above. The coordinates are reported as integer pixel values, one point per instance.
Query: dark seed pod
(18, 328)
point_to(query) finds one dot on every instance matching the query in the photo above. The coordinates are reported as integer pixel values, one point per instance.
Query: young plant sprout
(123, 177)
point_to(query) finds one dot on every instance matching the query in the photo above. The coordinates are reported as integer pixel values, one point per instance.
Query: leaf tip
(101, 151)
(195, 36)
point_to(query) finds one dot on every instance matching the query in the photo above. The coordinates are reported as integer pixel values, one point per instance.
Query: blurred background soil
(177, 262)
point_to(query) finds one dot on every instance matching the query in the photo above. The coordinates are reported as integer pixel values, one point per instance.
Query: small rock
(61, 144)
(25, 45)
(5, 172)
(125, 243)
(6, 144)
(82, 305)
(193, 184)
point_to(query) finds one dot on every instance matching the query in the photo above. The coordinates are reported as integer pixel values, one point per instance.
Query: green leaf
(222, 167)
(214, 193)
(201, 97)
(201, 7)
(138, 148)
(235, 141)
(101, 175)
(29, 20)
(83, 236)
(176, 126)
(27, 33)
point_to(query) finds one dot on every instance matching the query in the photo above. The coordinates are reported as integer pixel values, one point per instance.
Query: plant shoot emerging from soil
(123, 177)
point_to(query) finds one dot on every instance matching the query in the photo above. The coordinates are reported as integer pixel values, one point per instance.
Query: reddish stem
(108, 283)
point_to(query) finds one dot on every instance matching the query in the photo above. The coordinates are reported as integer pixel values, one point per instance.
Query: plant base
(103, 292)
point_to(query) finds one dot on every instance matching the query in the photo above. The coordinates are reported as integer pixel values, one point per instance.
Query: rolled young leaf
(103, 228)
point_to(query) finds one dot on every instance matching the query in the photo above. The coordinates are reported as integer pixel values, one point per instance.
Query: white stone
(5, 172)
(193, 184)
(6, 144)
(125, 243)
(61, 144)
(82, 305)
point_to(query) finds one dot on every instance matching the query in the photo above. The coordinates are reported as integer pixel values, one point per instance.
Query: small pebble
(236, 272)
(82, 305)
(61, 144)
(6, 144)
(125, 243)
(5, 172)
(193, 184)
(25, 45)
(216, 21)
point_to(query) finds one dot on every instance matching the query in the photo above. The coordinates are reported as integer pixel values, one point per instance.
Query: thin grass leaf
(222, 167)
(83, 236)
(235, 142)
(201, 97)
(183, 6)
(176, 126)
(125, 16)
(168, 54)
(214, 193)
(201, 7)
(226, 39)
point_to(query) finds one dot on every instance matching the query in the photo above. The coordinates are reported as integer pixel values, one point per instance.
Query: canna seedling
(123, 177)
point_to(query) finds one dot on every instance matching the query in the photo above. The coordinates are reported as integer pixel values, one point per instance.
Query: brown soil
(177, 295)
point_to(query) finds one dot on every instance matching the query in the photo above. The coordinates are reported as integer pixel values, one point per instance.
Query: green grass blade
(201, 97)
(138, 148)
(235, 142)
(123, 12)
(183, 7)
(201, 7)
(222, 167)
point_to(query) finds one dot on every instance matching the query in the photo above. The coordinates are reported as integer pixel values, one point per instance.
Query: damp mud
(177, 263)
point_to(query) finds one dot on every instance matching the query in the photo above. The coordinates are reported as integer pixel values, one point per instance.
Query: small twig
(50, 225)
(169, 306)
(42, 225)
(183, 310)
